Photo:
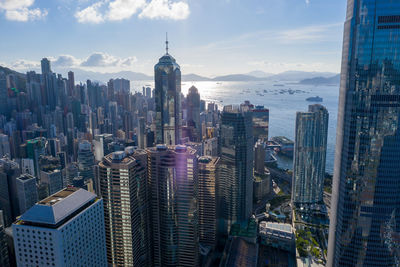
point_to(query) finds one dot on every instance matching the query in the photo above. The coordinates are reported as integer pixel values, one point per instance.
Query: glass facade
(365, 219)
(193, 113)
(310, 155)
(167, 78)
(173, 184)
(235, 182)
(207, 167)
(123, 186)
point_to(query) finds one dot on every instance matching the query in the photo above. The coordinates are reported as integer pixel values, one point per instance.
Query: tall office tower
(141, 133)
(207, 167)
(65, 229)
(3, 94)
(260, 123)
(148, 92)
(4, 255)
(193, 112)
(123, 177)
(364, 221)
(259, 157)
(210, 147)
(167, 78)
(122, 85)
(71, 83)
(9, 171)
(53, 180)
(310, 156)
(235, 183)
(45, 63)
(85, 160)
(110, 90)
(173, 183)
(4, 145)
(26, 192)
(113, 116)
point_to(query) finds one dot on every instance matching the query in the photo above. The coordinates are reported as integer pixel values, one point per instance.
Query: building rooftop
(55, 208)
(25, 177)
(283, 227)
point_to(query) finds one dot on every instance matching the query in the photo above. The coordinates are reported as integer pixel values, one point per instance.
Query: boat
(315, 99)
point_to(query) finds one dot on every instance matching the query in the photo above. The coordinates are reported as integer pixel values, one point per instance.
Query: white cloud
(65, 61)
(124, 9)
(91, 14)
(23, 64)
(25, 14)
(116, 10)
(20, 10)
(15, 4)
(309, 33)
(98, 61)
(307, 2)
(166, 9)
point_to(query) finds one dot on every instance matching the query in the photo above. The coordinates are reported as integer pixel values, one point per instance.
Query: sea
(282, 98)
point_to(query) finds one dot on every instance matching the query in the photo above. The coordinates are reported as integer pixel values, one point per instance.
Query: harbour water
(274, 95)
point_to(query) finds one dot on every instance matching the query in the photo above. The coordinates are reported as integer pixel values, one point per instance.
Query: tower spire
(166, 42)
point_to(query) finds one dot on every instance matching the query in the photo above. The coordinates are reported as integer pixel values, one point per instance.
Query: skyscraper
(65, 229)
(193, 113)
(26, 192)
(9, 171)
(52, 179)
(365, 219)
(260, 123)
(3, 94)
(235, 183)
(4, 145)
(4, 255)
(71, 83)
(167, 78)
(310, 156)
(45, 64)
(85, 160)
(207, 167)
(173, 185)
(123, 177)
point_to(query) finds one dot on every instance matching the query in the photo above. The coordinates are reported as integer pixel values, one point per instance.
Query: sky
(206, 37)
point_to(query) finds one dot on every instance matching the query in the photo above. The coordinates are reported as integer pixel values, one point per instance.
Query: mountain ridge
(302, 77)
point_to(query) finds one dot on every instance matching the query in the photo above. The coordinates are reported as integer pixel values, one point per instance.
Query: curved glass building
(365, 217)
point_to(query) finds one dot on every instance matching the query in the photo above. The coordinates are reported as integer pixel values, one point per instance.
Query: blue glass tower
(167, 78)
(365, 217)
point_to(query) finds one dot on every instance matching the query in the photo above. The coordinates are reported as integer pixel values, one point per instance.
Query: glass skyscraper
(310, 156)
(123, 186)
(365, 218)
(235, 181)
(173, 188)
(167, 78)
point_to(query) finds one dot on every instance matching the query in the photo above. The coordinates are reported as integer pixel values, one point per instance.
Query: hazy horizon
(208, 38)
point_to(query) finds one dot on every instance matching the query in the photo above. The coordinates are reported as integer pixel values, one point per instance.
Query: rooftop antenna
(166, 42)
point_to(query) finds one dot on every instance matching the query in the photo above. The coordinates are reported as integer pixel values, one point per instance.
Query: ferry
(314, 99)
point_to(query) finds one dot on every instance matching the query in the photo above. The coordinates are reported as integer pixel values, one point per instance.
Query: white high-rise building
(64, 229)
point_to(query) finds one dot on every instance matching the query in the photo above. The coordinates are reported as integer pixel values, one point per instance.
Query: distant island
(334, 80)
(302, 77)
